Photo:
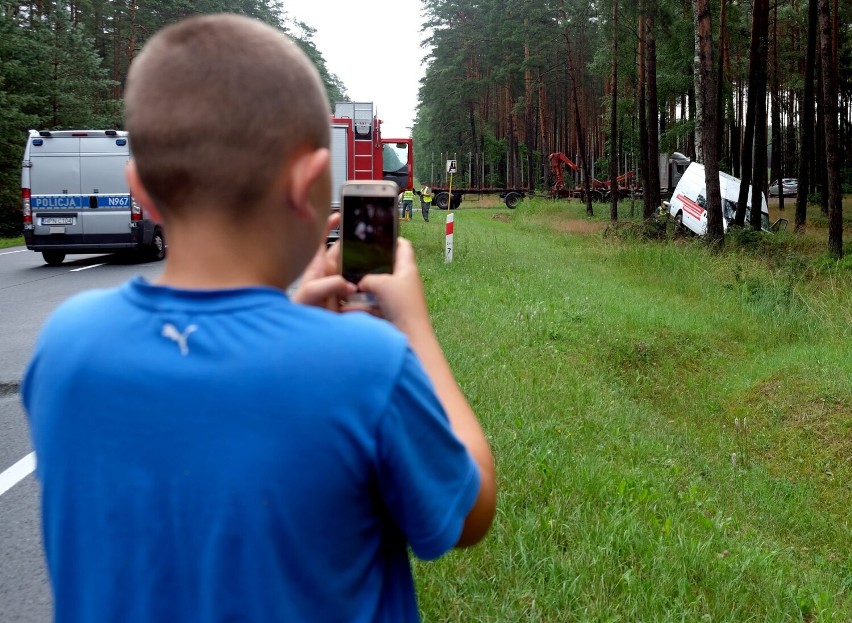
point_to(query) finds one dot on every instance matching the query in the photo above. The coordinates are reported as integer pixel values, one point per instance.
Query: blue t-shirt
(232, 456)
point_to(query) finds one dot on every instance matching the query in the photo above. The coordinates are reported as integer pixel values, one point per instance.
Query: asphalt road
(29, 291)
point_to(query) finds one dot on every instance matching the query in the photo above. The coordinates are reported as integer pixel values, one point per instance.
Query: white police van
(690, 198)
(76, 199)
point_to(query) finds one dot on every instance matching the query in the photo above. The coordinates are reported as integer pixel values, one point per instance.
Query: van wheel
(157, 251)
(679, 223)
(53, 258)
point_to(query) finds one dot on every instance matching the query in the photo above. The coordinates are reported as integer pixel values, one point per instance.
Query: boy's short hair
(214, 106)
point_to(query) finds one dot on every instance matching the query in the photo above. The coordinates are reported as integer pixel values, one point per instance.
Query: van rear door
(55, 182)
(107, 212)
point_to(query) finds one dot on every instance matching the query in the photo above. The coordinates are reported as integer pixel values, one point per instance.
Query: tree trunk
(644, 165)
(820, 160)
(581, 143)
(806, 130)
(715, 236)
(543, 112)
(529, 110)
(692, 116)
(116, 52)
(760, 147)
(131, 39)
(777, 152)
(652, 110)
(613, 122)
(737, 137)
(829, 103)
(719, 80)
(757, 68)
(696, 81)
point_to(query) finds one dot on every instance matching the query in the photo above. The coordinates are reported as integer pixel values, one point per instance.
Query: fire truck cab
(358, 151)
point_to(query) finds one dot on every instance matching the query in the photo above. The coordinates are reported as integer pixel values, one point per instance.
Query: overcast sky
(374, 48)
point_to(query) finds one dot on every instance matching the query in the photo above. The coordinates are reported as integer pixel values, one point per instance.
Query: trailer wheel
(457, 199)
(442, 200)
(53, 258)
(596, 195)
(512, 200)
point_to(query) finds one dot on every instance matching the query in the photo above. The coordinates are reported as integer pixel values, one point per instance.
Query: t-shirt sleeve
(427, 479)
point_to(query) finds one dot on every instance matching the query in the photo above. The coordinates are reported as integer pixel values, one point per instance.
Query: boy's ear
(304, 175)
(138, 192)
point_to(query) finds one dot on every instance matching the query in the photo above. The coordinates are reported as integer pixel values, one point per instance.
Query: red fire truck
(358, 151)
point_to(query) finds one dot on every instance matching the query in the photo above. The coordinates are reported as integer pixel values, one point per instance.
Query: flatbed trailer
(510, 196)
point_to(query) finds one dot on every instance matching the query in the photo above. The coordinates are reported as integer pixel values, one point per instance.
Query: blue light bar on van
(121, 142)
(38, 142)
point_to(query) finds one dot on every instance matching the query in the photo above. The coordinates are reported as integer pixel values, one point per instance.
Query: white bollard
(448, 256)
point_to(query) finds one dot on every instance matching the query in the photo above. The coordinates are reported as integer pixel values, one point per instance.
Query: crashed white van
(76, 199)
(689, 200)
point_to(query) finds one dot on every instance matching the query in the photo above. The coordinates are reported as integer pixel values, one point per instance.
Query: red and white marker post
(448, 255)
(452, 167)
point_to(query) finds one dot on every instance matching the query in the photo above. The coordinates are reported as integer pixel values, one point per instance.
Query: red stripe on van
(690, 206)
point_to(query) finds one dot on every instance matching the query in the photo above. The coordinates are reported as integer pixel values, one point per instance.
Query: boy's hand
(400, 294)
(321, 284)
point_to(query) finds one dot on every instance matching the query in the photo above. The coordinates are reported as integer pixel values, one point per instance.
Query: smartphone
(368, 228)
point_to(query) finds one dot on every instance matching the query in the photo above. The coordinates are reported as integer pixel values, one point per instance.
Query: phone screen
(368, 235)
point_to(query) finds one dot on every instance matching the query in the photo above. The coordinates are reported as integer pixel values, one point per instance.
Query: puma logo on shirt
(171, 332)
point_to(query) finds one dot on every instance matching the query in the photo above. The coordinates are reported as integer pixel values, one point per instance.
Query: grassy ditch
(672, 428)
(5, 243)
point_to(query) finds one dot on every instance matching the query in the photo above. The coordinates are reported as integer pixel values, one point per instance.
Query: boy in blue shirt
(210, 449)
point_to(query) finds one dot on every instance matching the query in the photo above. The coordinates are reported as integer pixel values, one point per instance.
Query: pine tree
(18, 112)
(73, 83)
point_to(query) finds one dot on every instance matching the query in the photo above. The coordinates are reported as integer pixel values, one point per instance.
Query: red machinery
(599, 189)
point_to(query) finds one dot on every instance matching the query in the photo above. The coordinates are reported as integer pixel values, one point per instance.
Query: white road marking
(17, 472)
(75, 270)
(10, 252)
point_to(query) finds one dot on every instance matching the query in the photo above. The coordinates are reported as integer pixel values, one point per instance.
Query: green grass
(672, 428)
(5, 243)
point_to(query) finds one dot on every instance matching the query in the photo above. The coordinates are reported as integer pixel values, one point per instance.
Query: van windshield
(764, 219)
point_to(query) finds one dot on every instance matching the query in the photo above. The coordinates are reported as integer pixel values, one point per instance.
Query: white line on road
(17, 472)
(74, 270)
(10, 252)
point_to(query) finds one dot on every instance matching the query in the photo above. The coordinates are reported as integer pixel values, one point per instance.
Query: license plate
(57, 220)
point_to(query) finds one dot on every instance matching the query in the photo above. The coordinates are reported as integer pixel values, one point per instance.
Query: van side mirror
(779, 225)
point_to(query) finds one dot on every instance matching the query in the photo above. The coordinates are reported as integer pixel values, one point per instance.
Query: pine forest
(614, 85)
(760, 89)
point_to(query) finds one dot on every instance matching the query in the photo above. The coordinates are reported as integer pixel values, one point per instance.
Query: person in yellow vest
(425, 201)
(407, 203)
